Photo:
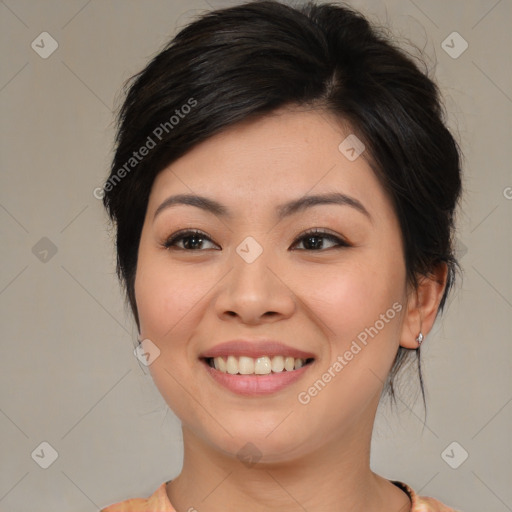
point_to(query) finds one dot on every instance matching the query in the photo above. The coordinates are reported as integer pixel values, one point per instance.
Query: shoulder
(157, 502)
(423, 503)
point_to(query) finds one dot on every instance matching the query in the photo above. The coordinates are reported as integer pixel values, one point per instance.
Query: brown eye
(314, 240)
(193, 240)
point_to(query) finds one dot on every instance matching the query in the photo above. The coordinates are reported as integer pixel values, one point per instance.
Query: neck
(335, 477)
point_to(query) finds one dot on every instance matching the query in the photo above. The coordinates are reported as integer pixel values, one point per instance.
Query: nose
(256, 292)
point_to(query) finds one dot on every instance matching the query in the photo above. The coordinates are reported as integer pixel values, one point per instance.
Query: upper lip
(255, 348)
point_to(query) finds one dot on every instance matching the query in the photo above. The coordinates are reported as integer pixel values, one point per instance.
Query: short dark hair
(243, 62)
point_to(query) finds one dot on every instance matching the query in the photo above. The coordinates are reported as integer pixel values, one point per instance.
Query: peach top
(159, 502)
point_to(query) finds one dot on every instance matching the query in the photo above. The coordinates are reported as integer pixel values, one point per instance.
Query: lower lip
(256, 385)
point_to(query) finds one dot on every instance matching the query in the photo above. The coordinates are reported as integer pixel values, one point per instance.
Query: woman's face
(254, 274)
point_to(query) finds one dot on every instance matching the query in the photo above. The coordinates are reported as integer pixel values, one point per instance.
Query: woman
(283, 191)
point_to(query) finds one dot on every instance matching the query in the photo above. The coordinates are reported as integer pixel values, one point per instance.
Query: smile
(256, 376)
(263, 365)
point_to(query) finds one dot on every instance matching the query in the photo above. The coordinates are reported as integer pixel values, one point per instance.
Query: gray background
(68, 375)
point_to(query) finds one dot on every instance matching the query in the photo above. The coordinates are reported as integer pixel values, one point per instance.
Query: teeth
(289, 364)
(277, 364)
(263, 365)
(231, 365)
(221, 365)
(245, 365)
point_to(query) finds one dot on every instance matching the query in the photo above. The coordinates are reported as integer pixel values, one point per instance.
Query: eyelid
(182, 233)
(320, 231)
(323, 233)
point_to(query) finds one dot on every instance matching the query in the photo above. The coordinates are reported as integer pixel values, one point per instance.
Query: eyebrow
(283, 210)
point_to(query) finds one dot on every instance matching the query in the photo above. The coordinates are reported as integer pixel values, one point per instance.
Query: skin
(316, 456)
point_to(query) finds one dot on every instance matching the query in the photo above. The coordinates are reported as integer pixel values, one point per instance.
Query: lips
(254, 348)
(255, 385)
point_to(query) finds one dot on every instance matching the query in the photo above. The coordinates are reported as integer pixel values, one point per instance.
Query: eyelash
(189, 233)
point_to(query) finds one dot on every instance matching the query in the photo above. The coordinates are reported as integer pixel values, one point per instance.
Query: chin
(257, 441)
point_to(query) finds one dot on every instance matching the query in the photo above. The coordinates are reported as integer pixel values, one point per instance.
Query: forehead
(284, 155)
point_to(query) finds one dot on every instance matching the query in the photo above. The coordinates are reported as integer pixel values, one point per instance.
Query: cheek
(166, 301)
(349, 298)
(165, 295)
(360, 309)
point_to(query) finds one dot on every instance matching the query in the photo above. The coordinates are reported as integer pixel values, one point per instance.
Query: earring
(419, 339)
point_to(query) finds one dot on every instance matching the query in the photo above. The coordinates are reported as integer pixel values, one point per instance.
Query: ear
(422, 306)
